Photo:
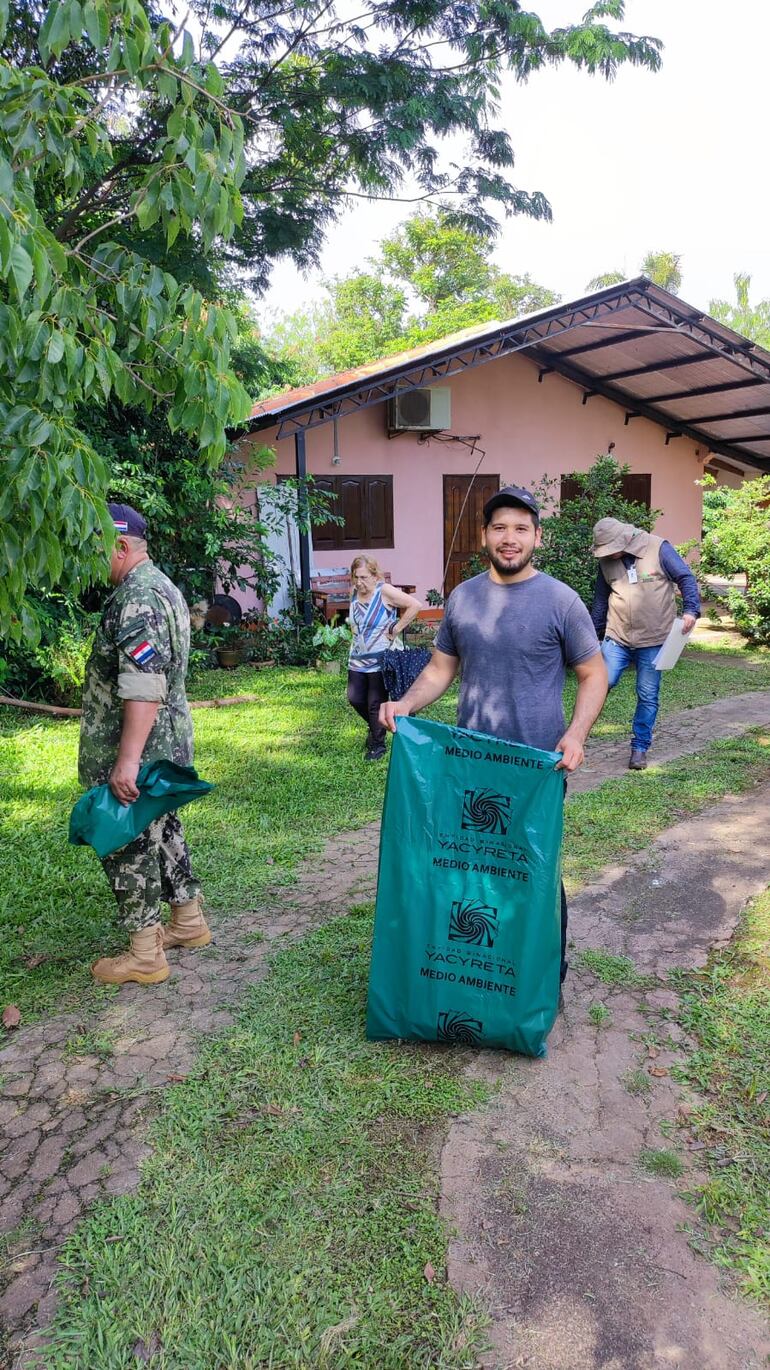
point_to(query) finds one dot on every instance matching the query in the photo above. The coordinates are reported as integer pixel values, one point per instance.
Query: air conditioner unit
(421, 411)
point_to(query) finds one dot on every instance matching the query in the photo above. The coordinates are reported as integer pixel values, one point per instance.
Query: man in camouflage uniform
(135, 711)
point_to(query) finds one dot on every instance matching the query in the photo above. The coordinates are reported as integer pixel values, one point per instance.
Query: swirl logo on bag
(460, 1029)
(486, 811)
(473, 923)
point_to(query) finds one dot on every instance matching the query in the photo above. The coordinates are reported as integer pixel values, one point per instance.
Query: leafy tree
(339, 106)
(443, 261)
(664, 268)
(753, 321)
(608, 278)
(128, 161)
(568, 526)
(432, 277)
(85, 316)
(737, 542)
(202, 517)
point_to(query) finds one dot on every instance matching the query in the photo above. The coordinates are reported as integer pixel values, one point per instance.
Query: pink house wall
(527, 429)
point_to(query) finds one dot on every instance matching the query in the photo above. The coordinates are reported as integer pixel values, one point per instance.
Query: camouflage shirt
(140, 652)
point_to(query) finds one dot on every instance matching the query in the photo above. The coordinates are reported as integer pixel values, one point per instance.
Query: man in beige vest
(633, 610)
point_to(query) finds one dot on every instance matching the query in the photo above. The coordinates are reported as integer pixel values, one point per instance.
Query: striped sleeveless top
(370, 623)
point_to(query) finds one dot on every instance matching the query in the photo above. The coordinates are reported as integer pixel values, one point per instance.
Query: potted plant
(435, 610)
(232, 644)
(331, 642)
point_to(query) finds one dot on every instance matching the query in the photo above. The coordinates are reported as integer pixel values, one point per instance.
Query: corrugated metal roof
(635, 343)
(328, 385)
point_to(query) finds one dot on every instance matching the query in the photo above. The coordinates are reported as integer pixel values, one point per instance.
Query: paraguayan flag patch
(143, 653)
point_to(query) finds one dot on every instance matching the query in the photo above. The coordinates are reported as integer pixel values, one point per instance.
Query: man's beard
(510, 568)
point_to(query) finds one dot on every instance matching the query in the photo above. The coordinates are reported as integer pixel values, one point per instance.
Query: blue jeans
(617, 658)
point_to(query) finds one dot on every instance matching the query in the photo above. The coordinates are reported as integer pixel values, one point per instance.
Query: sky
(667, 161)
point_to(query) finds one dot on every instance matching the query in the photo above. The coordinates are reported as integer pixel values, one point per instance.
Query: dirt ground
(583, 1258)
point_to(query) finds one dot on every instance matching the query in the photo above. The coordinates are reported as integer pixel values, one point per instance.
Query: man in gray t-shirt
(514, 643)
(512, 632)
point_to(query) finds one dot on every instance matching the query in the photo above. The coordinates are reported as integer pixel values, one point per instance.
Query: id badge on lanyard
(632, 576)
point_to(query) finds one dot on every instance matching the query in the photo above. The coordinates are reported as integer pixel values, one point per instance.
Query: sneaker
(638, 760)
(376, 751)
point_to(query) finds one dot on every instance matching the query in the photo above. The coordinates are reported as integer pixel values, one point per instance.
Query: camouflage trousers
(154, 867)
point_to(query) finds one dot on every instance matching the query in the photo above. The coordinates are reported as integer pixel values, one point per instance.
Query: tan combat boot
(188, 927)
(145, 962)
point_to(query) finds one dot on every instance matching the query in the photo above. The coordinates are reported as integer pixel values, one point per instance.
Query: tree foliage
(84, 315)
(568, 526)
(752, 320)
(737, 542)
(138, 173)
(345, 103)
(430, 278)
(664, 268)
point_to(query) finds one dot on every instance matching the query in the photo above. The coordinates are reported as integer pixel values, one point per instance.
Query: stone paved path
(581, 1256)
(677, 735)
(72, 1125)
(72, 1120)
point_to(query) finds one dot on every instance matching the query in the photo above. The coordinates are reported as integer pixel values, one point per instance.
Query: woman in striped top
(376, 626)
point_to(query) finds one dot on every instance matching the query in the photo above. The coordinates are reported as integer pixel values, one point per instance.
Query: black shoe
(376, 751)
(638, 760)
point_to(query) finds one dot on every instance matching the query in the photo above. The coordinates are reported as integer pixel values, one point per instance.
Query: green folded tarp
(467, 935)
(99, 820)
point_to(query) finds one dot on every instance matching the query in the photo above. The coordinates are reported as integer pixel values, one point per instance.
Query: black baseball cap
(511, 494)
(128, 520)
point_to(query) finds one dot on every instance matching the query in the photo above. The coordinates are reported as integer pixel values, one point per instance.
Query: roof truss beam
(741, 352)
(630, 336)
(751, 437)
(631, 404)
(731, 415)
(705, 390)
(664, 365)
(517, 338)
(529, 337)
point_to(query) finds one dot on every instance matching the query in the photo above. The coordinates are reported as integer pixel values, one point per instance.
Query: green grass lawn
(726, 1008)
(289, 773)
(700, 677)
(286, 1216)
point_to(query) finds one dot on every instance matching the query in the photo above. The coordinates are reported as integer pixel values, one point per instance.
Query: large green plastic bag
(467, 934)
(99, 820)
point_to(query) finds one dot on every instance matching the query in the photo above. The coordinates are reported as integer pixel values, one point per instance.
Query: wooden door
(462, 526)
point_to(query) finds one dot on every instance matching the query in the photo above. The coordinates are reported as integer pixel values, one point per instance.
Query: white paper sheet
(672, 648)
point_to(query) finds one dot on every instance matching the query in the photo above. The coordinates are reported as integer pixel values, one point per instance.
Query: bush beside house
(736, 542)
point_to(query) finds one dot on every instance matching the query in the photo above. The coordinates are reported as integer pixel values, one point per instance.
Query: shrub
(331, 641)
(568, 528)
(290, 640)
(475, 565)
(54, 670)
(737, 542)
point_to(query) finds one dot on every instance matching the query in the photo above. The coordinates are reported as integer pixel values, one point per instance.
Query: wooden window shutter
(324, 535)
(379, 511)
(634, 487)
(365, 503)
(638, 489)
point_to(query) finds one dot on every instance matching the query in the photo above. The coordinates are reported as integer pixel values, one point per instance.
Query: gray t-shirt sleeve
(445, 641)
(580, 640)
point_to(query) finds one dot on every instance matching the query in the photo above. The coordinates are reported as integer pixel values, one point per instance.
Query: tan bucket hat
(611, 537)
